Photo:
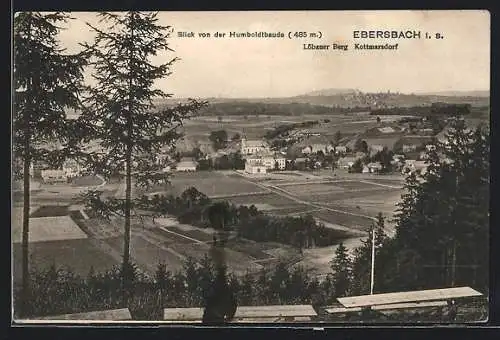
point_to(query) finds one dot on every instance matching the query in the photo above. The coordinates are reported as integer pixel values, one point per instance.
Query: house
(426, 131)
(442, 136)
(346, 162)
(398, 157)
(376, 148)
(376, 143)
(36, 168)
(413, 143)
(281, 162)
(374, 167)
(186, 166)
(54, 176)
(314, 148)
(255, 166)
(423, 155)
(415, 166)
(386, 129)
(330, 148)
(300, 163)
(430, 147)
(307, 150)
(269, 161)
(365, 170)
(72, 168)
(409, 147)
(340, 149)
(249, 147)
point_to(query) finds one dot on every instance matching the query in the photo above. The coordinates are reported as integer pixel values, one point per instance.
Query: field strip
(241, 194)
(106, 248)
(346, 212)
(103, 181)
(286, 194)
(85, 216)
(186, 237)
(316, 182)
(289, 195)
(305, 212)
(265, 260)
(377, 190)
(157, 243)
(380, 184)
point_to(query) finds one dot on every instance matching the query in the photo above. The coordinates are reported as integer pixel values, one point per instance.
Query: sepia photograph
(260, 167)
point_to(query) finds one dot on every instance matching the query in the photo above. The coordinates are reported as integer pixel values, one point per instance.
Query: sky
(274, 67)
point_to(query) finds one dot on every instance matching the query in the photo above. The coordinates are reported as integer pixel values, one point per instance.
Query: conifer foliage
(120, 113)
(47, 81)
(443, 219)
(342, 271)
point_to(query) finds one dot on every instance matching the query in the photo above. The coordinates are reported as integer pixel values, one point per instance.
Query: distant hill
(331, 100)
(458, 93)
(331, 92)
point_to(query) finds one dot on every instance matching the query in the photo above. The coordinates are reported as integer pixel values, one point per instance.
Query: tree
(341, 267)
(337, 138)
(357, 167)
(378, 120)
(385, 158)
(197, 153)
(238, 161)
(236, 137)
(177, 157)
(442, 222)
(364, 147)
(218, 139)
(361, 145)
(361, 265)
(120, 111)
(46, 83)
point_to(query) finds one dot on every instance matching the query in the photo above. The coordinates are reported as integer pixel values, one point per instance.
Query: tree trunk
(128, 183)
(453, 263)
(128, 192)
(25, 297)
(444, 263)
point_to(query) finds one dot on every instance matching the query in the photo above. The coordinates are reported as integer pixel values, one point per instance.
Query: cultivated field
(198, 129)
(339, 202)
(211, 183)
(270, 200)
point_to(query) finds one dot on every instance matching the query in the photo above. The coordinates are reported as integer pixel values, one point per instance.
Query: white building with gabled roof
(250, 147)
(270, 161)
(186, 165)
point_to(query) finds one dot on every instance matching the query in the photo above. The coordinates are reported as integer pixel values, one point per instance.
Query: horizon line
(420, 92)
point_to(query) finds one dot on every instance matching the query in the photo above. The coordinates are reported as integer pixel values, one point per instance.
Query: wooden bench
(408, 297)
(246, 314)
(105, 315)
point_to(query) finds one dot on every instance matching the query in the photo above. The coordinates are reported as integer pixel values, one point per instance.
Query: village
(405, 144)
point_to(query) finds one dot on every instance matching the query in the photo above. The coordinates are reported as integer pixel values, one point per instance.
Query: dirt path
(289, 195)
(286, 194)
(181, 235)
(380, 184)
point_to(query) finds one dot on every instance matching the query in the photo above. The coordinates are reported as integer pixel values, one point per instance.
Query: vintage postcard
(239, 168)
